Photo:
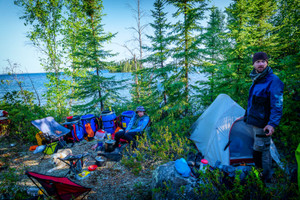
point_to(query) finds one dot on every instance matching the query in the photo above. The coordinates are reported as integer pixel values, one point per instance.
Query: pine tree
(94, 90)
(185, 53)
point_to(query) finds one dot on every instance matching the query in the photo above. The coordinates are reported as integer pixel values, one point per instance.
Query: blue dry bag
(182, 167)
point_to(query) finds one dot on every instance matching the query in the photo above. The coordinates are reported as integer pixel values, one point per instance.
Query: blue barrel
(108, 118)
(126, 117)
(89, 118)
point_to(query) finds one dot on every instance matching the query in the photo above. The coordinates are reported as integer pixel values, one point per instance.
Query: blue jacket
(141, 124)
(265, 102)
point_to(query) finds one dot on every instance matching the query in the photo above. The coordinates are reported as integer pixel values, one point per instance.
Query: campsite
(149, 99)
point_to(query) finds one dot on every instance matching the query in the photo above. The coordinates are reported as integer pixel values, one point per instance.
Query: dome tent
(219, 134)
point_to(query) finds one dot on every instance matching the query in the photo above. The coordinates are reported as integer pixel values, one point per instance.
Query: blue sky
(119, 17)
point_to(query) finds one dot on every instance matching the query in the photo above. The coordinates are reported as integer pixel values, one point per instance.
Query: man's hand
(269, 129)
(126, 131)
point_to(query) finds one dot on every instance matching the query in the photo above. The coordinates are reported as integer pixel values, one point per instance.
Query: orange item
(89, 130)
(32, 148)
(117, 130)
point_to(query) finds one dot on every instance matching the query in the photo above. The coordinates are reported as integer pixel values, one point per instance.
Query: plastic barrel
(126, 117)
(108, 118)
(89, 118)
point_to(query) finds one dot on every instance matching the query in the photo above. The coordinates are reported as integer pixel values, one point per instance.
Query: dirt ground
(112, 181)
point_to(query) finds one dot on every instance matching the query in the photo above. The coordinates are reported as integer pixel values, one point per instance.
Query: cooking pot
(109, 145)
(99, 161)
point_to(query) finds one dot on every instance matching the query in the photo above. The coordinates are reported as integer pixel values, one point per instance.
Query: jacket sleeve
(276, 102)
(142, 125)
(130, 124)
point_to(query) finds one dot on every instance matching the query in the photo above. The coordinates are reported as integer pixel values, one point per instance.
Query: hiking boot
(191, 159)
(198, 159)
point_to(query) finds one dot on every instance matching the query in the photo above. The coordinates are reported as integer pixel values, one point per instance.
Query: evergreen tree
(185, 53)
(94, 89)
(157, 74)
(287, 60)
(249, 32)
(211, 55)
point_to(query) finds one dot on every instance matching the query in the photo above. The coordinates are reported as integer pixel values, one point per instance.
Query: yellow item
(84, 174)
(40, 192)
(50, 149)
(39, 138)
(124, 124)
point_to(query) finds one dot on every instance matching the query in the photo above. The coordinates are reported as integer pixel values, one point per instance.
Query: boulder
(167, 183)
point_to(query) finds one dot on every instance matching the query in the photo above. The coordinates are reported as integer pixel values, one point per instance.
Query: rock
(167, 183)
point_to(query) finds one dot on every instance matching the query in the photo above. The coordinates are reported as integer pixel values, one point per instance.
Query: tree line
(70, 33)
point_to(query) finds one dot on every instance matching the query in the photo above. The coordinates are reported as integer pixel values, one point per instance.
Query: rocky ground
(112, 181)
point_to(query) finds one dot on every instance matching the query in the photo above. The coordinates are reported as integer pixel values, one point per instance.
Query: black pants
(129, 136)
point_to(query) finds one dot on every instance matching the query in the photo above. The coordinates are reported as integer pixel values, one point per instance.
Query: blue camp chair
(53, 132)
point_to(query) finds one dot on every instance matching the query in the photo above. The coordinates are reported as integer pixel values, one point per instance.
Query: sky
(15, 46)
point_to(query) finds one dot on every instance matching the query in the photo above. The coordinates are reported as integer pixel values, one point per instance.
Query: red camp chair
(58, 187)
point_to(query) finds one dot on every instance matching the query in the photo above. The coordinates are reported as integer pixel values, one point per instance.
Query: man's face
(140, 113)
(260, 65)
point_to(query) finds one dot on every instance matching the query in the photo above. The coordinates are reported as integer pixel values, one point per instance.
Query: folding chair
(75, 162)
(52, 132)
(58, 187)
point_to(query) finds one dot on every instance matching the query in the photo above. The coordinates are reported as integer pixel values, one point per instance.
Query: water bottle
(203, 165)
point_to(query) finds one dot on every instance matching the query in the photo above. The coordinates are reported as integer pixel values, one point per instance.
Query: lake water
(39, 80)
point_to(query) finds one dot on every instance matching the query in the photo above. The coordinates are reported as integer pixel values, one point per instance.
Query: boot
(191, 159)
(257, 157)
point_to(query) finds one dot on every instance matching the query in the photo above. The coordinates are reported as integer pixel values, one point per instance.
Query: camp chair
(75, 162)
(58, 187)
(52, 131)
(141, 134)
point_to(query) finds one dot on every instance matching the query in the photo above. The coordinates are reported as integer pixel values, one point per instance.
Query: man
(136, 125)
(264, 110)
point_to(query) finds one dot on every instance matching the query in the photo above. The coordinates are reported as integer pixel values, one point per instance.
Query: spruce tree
(287, 61)
(185, 53)
(157, 82)
(211, 55)
(94, 89)
(249, 32)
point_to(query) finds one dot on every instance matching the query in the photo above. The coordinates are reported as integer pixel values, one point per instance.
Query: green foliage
(122, 66)
(45, 17)
(21, 115)
(9, 187)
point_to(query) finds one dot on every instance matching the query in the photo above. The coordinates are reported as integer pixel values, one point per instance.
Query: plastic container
(126, 117)
(99, 135)
(203, 165)
(108, 118)
(39, 149)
